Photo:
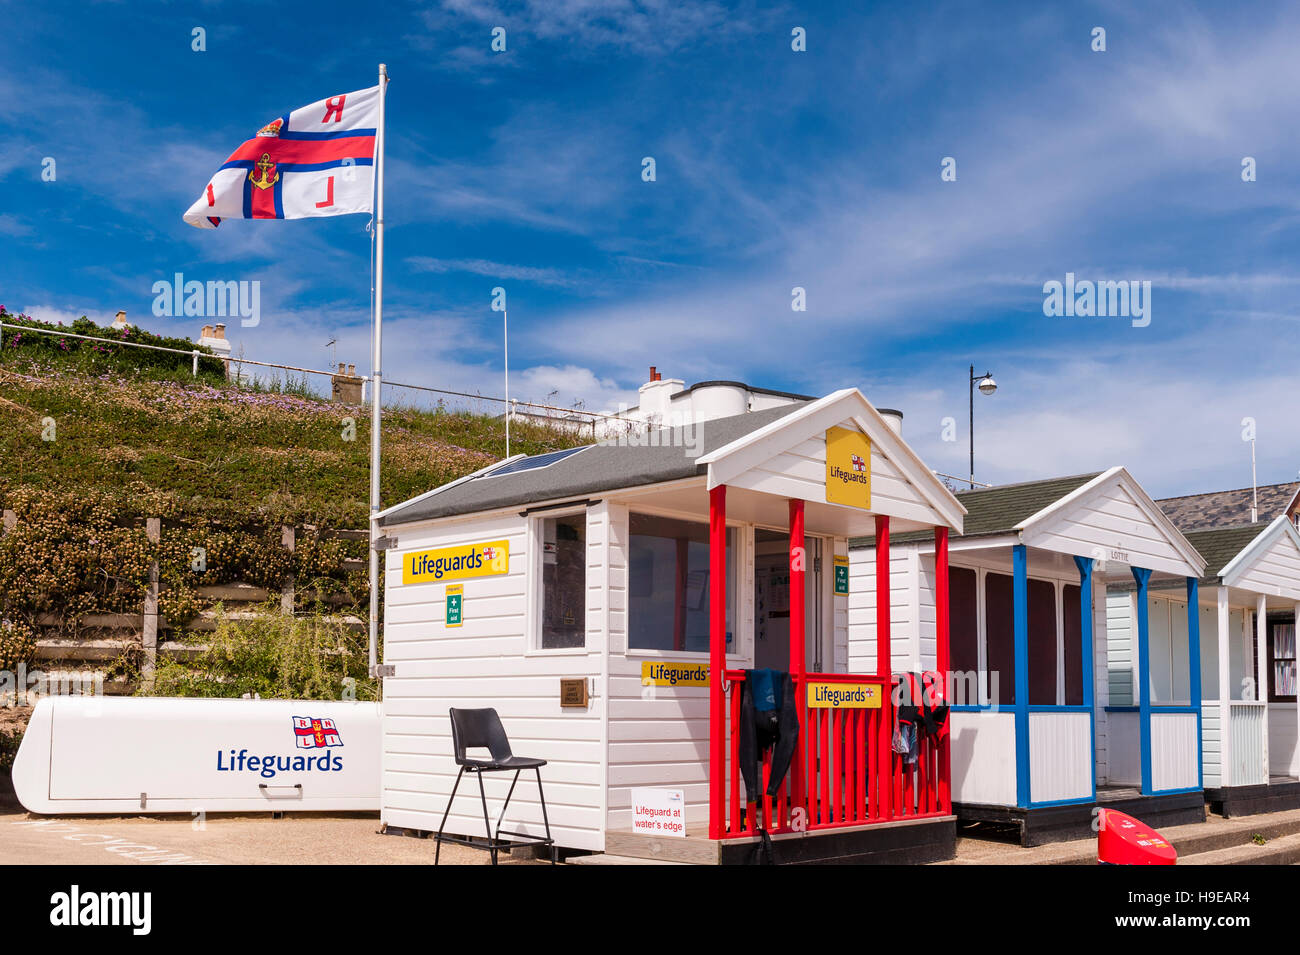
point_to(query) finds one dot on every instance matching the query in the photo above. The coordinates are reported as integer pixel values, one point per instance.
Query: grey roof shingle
(1218, 509)
(997, 510)
(597, 468)
(1220, 545)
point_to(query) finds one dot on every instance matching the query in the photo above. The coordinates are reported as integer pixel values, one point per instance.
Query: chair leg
(545, 819)
(501, 818)
(487, 826)
(450, 799)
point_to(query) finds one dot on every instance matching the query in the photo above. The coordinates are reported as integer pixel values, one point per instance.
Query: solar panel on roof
(534, 462)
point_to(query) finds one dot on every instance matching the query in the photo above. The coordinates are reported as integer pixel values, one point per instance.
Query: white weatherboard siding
(1270, 564)
(1101, 680)
(658, 735)
(903, 610)
(799, 471)
(983, 758)
(1173, 751)
(1211, 744)
(1060, 757)
(1121, 660)
(480, 664)
(1112, 519)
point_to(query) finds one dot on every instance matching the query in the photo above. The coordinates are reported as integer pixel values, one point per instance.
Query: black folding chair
(482, 728)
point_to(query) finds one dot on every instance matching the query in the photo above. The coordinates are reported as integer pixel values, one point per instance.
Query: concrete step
(1215, 835)
(1283, 851)
(602, 859)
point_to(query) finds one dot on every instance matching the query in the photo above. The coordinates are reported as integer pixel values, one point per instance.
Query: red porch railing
(837, 777)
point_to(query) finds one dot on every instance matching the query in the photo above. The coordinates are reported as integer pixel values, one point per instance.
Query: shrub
(274, 655)
(17, 644)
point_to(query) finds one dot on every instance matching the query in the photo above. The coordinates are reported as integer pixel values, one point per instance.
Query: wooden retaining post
(10, 521)
(288, 538)
(149, 634)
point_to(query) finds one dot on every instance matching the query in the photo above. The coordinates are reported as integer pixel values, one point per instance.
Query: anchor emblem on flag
(264, 165)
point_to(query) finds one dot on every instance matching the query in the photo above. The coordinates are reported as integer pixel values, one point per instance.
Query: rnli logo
(312, 733)
(859, 464)
(271, 128)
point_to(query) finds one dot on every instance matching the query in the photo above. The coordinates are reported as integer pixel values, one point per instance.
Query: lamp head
(987, 385)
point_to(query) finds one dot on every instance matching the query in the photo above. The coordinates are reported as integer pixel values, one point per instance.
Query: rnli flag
(314, 161)
(312, 733)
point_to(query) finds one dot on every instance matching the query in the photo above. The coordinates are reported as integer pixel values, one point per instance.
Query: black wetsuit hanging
(768, 720)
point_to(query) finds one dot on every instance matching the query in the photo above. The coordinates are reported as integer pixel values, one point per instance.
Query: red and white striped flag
(315, 161)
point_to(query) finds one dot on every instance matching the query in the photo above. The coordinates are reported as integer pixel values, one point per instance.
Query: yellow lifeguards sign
(843, 696)
(674, 674)
(456, 563)
(848, 468)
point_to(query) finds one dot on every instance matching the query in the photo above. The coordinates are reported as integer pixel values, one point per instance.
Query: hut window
(564, 581)
(668, 584)
(964, 632)
(999, 634)
(1072, 638)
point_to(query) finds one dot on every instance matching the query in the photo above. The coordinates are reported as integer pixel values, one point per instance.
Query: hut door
(772, 601)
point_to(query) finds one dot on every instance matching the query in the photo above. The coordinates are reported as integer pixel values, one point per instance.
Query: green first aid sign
(841, 575)
(455, 598)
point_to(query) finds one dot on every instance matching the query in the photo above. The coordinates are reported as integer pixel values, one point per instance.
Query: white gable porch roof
(1111, 518)
(787, 459)
(1270, 564)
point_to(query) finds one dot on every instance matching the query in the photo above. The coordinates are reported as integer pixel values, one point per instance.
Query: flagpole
(505, 328)
(376, 392)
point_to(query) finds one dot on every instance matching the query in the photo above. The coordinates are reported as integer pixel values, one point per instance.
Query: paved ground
(242, 840)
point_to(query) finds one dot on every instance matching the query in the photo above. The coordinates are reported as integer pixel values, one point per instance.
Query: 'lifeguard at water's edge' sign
(456, 563)
(848, 468)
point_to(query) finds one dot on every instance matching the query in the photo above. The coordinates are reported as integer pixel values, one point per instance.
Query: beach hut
(1248, 612)
(610, 601)
(1037, 742)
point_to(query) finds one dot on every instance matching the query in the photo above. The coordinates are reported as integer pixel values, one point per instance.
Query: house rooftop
(1219, 509)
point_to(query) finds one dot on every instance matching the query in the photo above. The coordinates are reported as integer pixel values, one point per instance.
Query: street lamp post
(986, 386)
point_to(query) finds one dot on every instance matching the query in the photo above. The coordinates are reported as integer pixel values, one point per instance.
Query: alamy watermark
(177, 297)
(661, 431)
(24, 687)
(1126, 298)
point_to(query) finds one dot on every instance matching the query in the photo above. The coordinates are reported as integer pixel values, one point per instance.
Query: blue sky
(775, 169)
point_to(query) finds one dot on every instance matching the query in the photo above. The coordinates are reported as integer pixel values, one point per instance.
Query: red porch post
(798, 656)
(943, 659)
(717, 654)
(885, 668)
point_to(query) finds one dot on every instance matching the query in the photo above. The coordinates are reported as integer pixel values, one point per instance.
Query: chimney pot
(219, 330)
(207, 332)
(654, 374)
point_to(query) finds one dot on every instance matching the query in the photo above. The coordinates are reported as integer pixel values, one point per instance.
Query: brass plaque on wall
(573, 692)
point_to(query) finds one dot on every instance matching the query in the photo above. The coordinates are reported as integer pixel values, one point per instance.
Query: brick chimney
(119, 320)
(346, 385)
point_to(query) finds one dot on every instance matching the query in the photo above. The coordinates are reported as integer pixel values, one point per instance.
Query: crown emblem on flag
(272, 128)
(858, 463)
